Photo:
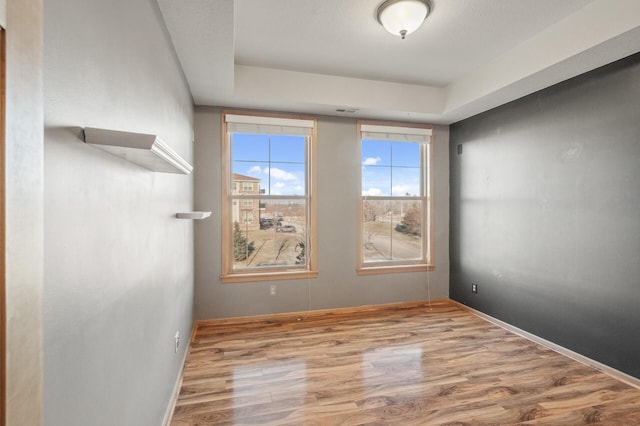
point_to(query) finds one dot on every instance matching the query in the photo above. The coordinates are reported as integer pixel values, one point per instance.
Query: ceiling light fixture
(402, 17)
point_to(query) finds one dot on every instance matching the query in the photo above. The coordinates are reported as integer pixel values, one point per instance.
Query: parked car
(286, 228)
(266, 223)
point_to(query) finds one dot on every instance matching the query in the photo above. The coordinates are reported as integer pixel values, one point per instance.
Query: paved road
(402, 249)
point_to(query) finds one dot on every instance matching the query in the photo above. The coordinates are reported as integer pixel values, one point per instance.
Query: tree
(370, 212)
(412, 221)
(241, 249)
(301, 257)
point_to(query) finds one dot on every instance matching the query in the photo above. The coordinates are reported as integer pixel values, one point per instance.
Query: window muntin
(395, 205)
(270, 233)
(277, 240)
(391, 168)
(279, 161)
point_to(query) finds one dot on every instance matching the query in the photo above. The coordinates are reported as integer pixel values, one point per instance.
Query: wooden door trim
(3, 324)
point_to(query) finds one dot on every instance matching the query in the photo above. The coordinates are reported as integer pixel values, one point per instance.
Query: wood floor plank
(405, 365)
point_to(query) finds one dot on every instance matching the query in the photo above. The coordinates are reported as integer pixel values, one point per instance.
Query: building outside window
(246, 212)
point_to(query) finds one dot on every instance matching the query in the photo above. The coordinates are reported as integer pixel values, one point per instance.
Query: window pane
(392, 230)
(405, 154)
(285, 179)
(248, 171)
(406, 181)
(376, 180)
(245, 185)
(376, 153)
(270, 233)
(390, 169)
(278, 164)
(249, 147)
(287, 149)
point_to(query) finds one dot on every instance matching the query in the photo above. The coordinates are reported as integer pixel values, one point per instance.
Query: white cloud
(255, 170)
(402, 190)
(371, 161)
(279, 174)
(282, 182)
(372, 192)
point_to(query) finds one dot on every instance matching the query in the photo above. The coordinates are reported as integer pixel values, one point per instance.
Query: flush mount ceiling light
(402, 17)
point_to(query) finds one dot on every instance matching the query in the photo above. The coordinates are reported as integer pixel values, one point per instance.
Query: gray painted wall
(544, 214)
(24, 212)
(118, 264)
(337, 285)
(3, 13)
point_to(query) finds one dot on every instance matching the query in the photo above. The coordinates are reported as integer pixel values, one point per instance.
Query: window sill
(268, 276)
(388, 269)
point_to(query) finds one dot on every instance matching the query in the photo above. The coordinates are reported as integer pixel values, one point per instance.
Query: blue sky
(388, 168)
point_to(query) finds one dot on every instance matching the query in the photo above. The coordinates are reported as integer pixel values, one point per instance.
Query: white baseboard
(176, 387)
(610, 371)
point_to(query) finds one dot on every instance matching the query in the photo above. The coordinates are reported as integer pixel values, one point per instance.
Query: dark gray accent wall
(545, 214)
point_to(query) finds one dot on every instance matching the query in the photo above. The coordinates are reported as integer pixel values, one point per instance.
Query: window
(269, 198)
(395, 198)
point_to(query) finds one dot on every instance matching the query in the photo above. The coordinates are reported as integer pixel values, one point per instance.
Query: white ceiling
(317, 56)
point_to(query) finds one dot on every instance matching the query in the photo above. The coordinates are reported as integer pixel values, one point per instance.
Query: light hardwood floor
(403, 365)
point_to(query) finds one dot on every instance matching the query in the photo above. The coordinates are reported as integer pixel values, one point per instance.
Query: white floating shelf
(193, 215)
(147, 151)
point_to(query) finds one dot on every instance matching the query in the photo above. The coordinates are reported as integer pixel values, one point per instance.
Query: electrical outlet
(474, 288)
(177, 337)
(273, 290)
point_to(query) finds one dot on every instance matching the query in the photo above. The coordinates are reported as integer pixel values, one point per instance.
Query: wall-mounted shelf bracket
(193, 215)
(145, 150)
